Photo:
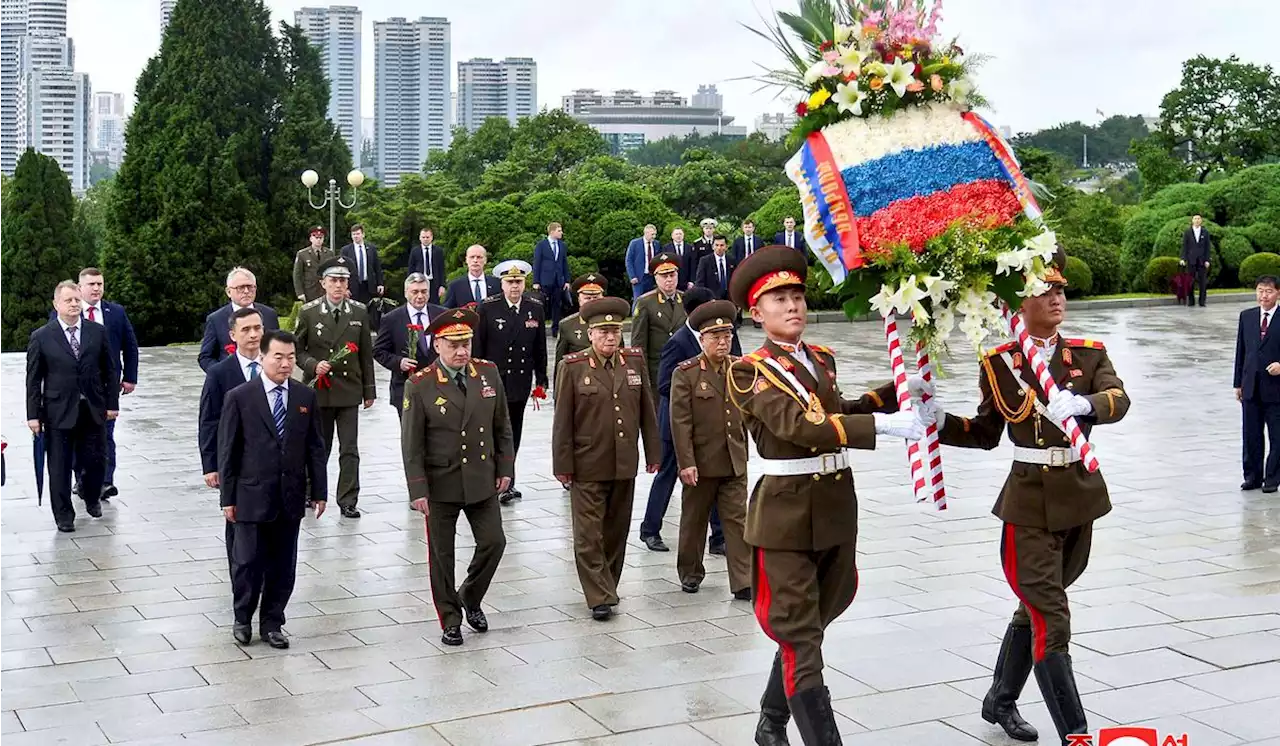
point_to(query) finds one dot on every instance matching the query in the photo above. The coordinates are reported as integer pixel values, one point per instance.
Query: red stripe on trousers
(764, 597)
(426, 535)
(1038, 630)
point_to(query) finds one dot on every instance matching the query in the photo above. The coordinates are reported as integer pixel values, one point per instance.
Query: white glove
(931, 412)
(901, 424)
(917, 386)
(1064, 404)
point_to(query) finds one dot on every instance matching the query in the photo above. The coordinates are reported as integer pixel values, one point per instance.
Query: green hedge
(1103, 261)
(1234, 248)
(1079, 277)
(1264, 236)
(1159, 274)
(1257, 265)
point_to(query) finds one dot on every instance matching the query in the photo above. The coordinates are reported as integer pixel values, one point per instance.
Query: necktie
(648, 253)
(555, 249)
(335, 314)
(791, 244)
(720, 271)
(426, 261)
(1265, 318)
(680, 250)
(253, 370)
(462, 382)
(475, 284)
(91, 313)
(422, 338)
(749, 248)
(360, 262)
(75, 341)
(277, 411)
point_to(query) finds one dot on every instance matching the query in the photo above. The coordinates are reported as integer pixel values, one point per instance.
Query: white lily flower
(899, 75)
(882, 303)
(1014, 260)
(843, 33)
(1035, 286)
(937, 287)
(959, 89)
(817, 71)
(1042, 246)
(908, 298)
(849, 98)
(944, 320)
(850, 59)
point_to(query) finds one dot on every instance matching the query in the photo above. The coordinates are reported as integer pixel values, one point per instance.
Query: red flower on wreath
(802, 108)
(826, 45)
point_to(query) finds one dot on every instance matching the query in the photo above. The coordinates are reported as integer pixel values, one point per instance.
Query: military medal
(1066, 355)
(704, 385)
(440, 400)
(633, 379)
(815, 416)
(501, 321)
(578, 334)
(586, 381)
(488, 392)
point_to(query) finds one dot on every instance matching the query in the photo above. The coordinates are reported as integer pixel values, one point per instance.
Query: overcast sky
(1051, 61)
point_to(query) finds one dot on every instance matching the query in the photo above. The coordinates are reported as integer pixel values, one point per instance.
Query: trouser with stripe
(1040, 565)
(797, 594)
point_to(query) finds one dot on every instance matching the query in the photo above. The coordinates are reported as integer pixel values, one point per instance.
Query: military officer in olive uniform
(802, 518)
(458, 456)
(326, 326)
(659, 312)
(512, 334)
(711, 450)
(573, 338)
(306, 267)
(604, 410)
(1049, 501)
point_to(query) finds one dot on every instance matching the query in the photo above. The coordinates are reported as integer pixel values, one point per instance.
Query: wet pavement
(120, 633)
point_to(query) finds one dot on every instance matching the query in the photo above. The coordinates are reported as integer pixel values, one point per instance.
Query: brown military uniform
(306, 272)
(572, 337)
(456, 445)
(1048, 511)
(656, 319)
(604, 411)
(708, 432)
(804, 527)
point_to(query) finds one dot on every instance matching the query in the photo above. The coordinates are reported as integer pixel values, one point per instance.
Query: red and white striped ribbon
(926, 479)
(1079, 443)
(934, 490)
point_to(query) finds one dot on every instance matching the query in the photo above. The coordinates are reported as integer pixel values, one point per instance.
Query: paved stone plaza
(120, 633)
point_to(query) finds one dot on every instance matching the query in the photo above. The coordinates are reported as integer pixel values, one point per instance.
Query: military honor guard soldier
(802, 518)
(711, 450)
(573, 337)
(659, 312)
(1049, 501)
(306, 266)
(604, 411)
(325, 327)
(512, 334)
(458, 457)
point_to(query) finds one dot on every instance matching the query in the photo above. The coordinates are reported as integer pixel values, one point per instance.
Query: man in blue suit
(682, 346)
(640, 252)
(551, 273)
(122, 345)
(475, 285)
(245, 364)
(1257, 384)
(242, 289)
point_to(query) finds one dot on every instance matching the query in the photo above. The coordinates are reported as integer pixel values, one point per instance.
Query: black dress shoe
(109, 491)
(505, 498)
(94, 508)
(655, 544)
(717, 548)
(743, 594)
(67, 528)
(477, 620)
(1270, 488)
(1248, 485)
(601, 612)
(452, 636)
(689, 586)
(243, 633)
(350, 513)
(275, 638)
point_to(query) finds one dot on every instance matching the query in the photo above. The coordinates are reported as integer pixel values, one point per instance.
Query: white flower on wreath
(843, 33)
(1014, 260)
(899, 75)
(1035, 286)
(1042, 246)
(849, 98)
(937, 288)
(959, 89)
(908, 298)
(819, 70)
(850, 59)
(882, 302)
(944, 320)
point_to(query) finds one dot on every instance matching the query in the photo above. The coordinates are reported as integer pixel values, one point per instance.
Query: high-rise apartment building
(166, 12)
(336, 32)
(53, 103)
(628, 119)
(507, 89)
(109, 119)
(411, 98)
(708, 97)
(775, 126)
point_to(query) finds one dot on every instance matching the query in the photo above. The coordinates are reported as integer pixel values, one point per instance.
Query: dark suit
(516, 342)
(217, 332)
(797, 240)
(550, 274)
(462, 291)
(1196, 253)
(70, 397)
(682, 346)
(392, 345)
(685, 255)
(365, 290)
(433, 269)
(708, 275)
(739, 249)
(703, 247)
(1261, 394)
(219, 380)
(265, 477)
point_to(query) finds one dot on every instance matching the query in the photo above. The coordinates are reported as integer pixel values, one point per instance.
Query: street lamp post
(332, 197)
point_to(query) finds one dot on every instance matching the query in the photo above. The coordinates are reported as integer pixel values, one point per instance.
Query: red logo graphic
(1127, 736)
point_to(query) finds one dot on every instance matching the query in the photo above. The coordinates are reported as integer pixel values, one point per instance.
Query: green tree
(100, 171)
(90, 224)
(552, 141)
(470, 153)
(1225, 112)
(711, 187)
(1157, 168)
(369, 157)
(489, 224)
(1108, 142)
(37, 246)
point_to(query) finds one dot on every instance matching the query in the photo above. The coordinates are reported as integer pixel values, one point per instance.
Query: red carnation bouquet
(323, 381)
(415, 333)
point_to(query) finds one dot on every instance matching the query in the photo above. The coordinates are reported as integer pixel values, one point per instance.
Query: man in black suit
(242, 289)
(684, 253)
(427, 259)
(790, 237)
(701, 249)
(391, 348)
(748, 243)
(1257, 384)
(72, 392)
(366, 277)
(715, 269)
(475, 285)
(269, 446)
(245, 364)
(551, 273)
(1195, 257)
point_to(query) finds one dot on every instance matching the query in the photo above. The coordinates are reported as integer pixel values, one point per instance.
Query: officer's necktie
(648, 253)
(1265, 318)
(277, 411)
(335, 314)
(253, 370)
(461, 381)
(74, 341)
(475, 284)
(749, 247)
(720, 271)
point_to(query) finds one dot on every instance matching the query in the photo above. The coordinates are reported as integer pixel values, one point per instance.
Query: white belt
(1045, 456)
(827, 463)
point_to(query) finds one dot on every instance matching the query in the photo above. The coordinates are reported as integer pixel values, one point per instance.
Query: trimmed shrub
(520, 247)
(1264, 236)
(581, 265)
(1079, 277)
(1159, 273)
(1234, 249)
(1103, 261)
(1264, 263)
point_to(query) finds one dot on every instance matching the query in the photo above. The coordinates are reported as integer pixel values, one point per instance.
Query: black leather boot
(814, 718)
(774, 713)
(1058, 685)
(1013, 666)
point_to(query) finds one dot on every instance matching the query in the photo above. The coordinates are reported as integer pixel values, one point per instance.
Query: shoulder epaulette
(533, 300)
(758, 356)
(311, 304)
(1081, 342)
(821, 348)
(650, 293)
(486, 363)
(357, 304)
(570, 319)
(491, 299)
(633, 351)
(1007, 346)
(574, 357)
(422, 373)
(690, 363)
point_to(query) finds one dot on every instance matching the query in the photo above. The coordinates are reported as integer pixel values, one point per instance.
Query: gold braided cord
(733, 387)
(1009, 413)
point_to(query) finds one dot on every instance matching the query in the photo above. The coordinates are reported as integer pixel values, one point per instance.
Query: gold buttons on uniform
(1044, 468)
(838, 475)
(464, 459)
(483, 457)
(482, 444)
(619, 422)
(464, 446)
(813, 450)
(1040, 441)
(816, 477)
(617, 409)
(1022, 392)
(464, 433)
(615, 396)
(481, 430)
